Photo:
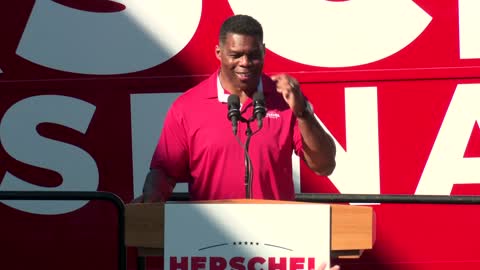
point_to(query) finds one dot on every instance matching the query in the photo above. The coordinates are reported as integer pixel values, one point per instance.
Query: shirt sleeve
(171, 154)
(297, 138)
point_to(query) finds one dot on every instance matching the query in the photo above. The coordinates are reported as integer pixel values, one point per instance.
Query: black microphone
(259, 109)
(234, 111)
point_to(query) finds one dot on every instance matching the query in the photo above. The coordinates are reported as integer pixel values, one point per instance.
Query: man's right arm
(170, 158)
(157, 188)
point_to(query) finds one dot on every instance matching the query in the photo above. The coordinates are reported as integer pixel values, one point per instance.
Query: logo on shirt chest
(272, 115)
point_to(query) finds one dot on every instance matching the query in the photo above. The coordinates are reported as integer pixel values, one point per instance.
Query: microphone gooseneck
(234, 115)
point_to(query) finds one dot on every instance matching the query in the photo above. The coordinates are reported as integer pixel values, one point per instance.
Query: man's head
(241, 53)
(240, 24)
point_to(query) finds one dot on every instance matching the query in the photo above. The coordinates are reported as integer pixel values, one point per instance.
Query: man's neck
(243, 94)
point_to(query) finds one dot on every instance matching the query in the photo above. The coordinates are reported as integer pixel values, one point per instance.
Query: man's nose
(245, 60)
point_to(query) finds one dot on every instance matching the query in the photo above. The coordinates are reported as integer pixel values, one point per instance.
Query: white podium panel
(246, 236)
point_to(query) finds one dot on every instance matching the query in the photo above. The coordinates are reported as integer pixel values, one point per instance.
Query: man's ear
(217, 52)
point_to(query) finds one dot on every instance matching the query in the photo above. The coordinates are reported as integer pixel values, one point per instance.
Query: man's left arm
(318, 147)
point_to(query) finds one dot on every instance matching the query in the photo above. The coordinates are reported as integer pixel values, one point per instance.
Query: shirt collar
(223, 95)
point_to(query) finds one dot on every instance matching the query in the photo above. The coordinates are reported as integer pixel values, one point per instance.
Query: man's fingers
(279, 77)
(323, 265)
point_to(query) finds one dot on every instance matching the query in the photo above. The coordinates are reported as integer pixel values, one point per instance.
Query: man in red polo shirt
(197, 144)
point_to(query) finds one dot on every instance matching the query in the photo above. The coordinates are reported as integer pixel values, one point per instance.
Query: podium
(352, 227)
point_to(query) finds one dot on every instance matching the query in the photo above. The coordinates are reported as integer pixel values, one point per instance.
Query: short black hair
(240, 24)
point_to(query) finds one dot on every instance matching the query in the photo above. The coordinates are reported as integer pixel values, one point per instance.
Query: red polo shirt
(197, 145)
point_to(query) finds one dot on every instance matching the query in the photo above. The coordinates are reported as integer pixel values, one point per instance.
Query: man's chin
(250, 83)
(248, 87)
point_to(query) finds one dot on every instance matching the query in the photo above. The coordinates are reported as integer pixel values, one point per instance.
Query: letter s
(21, 141)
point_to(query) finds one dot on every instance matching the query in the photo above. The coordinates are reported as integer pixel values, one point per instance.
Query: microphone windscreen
(233, 101)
